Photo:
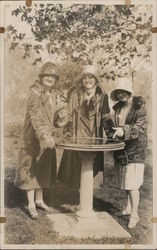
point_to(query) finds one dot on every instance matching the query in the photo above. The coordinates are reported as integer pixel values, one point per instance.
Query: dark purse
(121, 156)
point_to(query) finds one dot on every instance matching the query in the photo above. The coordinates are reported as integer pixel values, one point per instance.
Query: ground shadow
(14, 197)
(59, 197)
(100, 205)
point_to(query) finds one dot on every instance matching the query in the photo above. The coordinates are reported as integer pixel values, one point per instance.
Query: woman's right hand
(47, 142)
(50, 142)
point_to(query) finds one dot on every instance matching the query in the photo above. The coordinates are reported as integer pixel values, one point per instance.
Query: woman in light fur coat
(37, 156)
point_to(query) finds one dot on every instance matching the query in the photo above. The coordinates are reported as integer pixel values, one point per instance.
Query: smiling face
(89, 82)
(123, 95)
(48, 80)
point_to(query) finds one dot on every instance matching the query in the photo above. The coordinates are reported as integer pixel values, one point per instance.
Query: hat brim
(56, 75)
(113, 94)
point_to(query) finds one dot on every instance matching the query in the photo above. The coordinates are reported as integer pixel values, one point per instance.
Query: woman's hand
(47, 142)
(118, 132)
(50, 142)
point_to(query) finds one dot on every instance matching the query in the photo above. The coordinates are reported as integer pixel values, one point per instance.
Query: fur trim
(138, 102)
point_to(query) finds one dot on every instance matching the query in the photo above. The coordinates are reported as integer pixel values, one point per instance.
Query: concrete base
(101, 225)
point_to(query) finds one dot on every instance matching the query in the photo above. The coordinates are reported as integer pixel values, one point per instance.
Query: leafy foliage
(115, 38)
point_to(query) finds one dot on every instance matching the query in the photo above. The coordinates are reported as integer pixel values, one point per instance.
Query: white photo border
(3, 6)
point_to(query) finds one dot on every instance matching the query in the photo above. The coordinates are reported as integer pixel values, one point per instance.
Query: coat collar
(96, 98)
(41, 89)
(137, 103)
(47, 98)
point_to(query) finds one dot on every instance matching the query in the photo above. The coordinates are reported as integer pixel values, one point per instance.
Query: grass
(20, 229)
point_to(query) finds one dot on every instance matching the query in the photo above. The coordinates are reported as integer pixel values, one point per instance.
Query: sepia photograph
(78, 124)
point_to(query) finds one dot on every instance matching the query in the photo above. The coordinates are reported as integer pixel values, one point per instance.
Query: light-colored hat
(122, 84)
(87, 70)
(49, 68)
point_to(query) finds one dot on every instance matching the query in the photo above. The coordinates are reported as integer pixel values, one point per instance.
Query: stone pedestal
(85, 222)
(99, 226)
(86, 185)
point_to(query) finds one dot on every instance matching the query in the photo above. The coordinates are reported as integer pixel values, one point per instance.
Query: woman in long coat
(88, 115)
(37, 156)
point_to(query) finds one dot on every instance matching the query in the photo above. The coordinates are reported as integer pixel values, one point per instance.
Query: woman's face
(49, 81)
(123, 95)
(89, 82)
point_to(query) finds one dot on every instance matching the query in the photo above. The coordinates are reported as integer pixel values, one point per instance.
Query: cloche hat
(87, 70)
(122, 84)
(49, 68)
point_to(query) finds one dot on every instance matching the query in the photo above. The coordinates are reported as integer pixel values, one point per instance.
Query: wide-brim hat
(88, 70)
(122, 84)
(49, 69)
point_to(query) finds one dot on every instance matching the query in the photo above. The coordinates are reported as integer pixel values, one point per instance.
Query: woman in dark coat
(130, 124)
(88, 112)
(37, 156)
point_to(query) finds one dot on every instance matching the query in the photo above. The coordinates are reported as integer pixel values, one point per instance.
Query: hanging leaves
(105, 33)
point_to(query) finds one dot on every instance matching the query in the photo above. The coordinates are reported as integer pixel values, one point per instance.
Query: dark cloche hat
(49, 68)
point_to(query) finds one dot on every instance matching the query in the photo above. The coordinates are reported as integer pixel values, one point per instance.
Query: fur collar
(137, 103)
(40, 88)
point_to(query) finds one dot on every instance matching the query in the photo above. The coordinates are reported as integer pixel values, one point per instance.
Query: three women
(88, 116)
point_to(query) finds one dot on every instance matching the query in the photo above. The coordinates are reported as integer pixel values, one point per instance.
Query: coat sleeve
(107, 121)
(134, 130)
(36, 116)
